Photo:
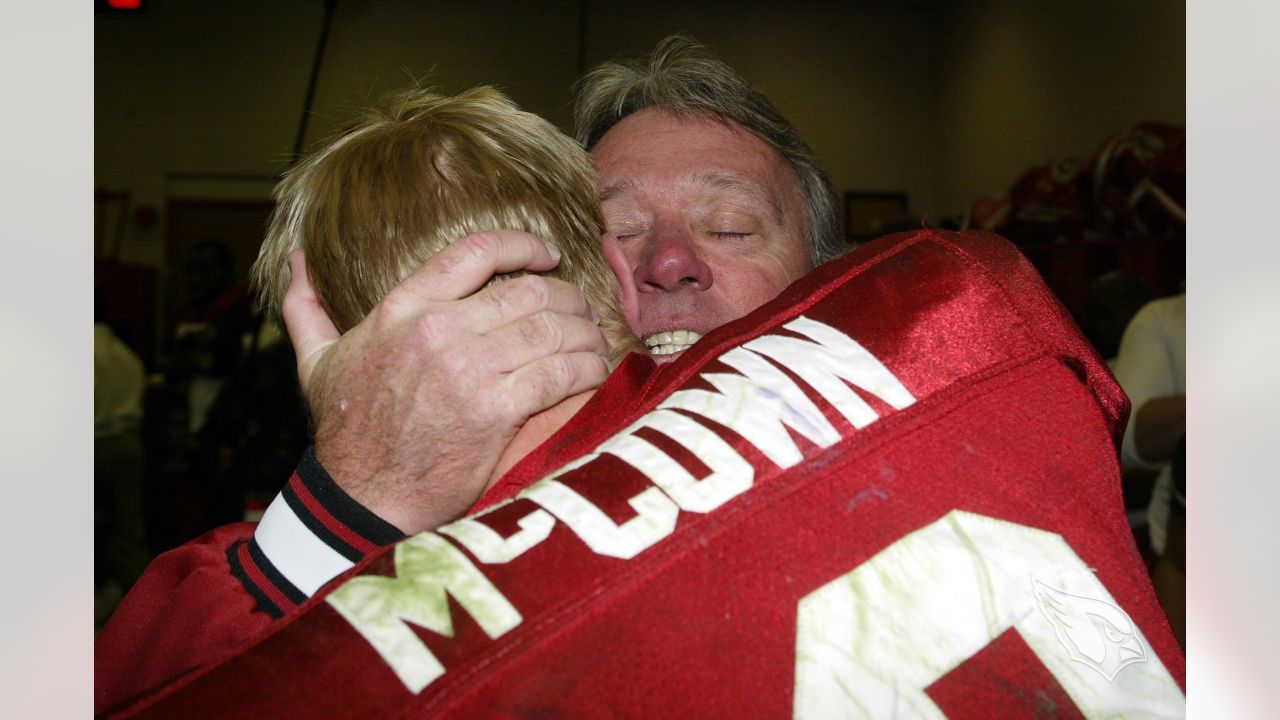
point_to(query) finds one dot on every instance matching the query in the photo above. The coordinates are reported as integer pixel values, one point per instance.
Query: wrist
(393, 496)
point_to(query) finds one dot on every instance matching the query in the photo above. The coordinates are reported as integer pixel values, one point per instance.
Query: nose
(671, 262)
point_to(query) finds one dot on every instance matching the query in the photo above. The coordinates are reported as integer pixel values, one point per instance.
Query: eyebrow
(720, 181)
(617, 189)
(713, 180)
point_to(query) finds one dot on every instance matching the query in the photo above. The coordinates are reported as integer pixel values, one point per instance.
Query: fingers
(529, 339)
(310, 329)
(501, 303)
(465, 266)
(545, 382)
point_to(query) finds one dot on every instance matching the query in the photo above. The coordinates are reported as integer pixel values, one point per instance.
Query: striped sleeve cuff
(311, 533)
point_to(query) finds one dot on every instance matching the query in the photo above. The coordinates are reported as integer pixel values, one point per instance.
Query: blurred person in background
(120, 552)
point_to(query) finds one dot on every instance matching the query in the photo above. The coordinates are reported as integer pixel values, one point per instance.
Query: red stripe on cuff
(255, 575)
(335, 526)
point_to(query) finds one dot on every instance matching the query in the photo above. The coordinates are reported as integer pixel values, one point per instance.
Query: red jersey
(891, 491)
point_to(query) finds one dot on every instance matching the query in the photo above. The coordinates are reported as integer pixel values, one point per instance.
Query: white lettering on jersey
(829, 359)
(486, 544)
(655, 517)
(760, 404)
(756, 405)
(428, 569)
(730, 476)
(869, 642)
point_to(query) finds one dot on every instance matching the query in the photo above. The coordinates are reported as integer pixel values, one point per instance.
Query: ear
(628, 296)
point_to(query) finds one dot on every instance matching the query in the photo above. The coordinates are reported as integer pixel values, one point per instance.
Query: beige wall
(944, 100)
(184, 92)
(203, 99)
(855, 78)
(1024, 82)
(529, 49)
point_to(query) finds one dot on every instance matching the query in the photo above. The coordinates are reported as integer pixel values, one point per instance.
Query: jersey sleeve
(186, 610)
(312, 532)
(202, 600)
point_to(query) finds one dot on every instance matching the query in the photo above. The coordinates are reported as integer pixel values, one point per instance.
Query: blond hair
(420, 172)
(681, 77)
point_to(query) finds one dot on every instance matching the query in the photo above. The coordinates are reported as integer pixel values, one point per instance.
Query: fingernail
(555, 252)
(595, 316)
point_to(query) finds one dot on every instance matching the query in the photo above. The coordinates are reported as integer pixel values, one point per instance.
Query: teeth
(672, 341)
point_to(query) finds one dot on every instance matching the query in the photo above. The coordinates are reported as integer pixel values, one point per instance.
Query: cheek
(755, 284)
(781, 269)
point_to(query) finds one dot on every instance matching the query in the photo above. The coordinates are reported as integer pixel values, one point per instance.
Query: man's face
(708, 216)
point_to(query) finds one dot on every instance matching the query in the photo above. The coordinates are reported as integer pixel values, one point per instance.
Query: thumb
(310, 330)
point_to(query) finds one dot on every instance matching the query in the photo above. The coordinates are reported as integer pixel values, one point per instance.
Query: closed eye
(729, 235)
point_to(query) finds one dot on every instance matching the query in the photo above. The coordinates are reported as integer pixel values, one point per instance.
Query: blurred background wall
(201, 100)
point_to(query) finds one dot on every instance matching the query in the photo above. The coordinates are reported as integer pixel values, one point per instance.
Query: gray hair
(682, 78)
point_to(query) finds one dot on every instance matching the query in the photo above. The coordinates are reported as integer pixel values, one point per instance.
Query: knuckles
(483, 247)
(392, 309)
(522, 295)
(433, 333)
(541, 330)
(552, 379)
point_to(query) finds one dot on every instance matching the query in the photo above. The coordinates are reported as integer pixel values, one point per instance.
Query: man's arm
(413, 407)
(1143, 368)
(199, 601)
(1158, 425)
(185, 611)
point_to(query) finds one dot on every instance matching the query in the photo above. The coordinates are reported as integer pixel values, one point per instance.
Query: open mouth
(671, 341)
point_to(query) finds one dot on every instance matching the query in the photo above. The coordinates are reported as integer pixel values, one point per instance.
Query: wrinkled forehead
(766, 197)
(656, 151)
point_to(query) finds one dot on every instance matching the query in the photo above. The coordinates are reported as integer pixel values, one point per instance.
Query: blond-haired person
(409, 179)
(390, 231)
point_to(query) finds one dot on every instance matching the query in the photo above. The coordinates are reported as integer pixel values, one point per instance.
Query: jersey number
(869, 642)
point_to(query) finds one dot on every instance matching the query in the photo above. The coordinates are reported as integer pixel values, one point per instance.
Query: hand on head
(714, 201)
(458, 370)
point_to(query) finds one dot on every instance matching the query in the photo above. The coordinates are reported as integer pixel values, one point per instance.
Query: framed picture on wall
(867, 214)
